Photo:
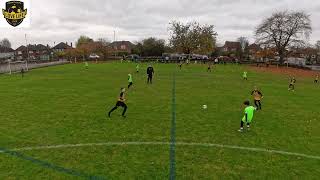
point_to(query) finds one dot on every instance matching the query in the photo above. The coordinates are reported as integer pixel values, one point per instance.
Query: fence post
(9, 67)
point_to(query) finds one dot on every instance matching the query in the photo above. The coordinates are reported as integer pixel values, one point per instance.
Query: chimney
(71, 44)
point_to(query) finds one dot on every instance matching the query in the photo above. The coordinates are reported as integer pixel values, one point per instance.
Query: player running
(130, 81)
(121, 103)
(188, 61)
(22, 72)
(86, 65)
(248, 116)
(316, 80)
(245, 75)
(209, 67)
(180, 65)
(137, 68)
(257, 96)
(150, 73)
(292, 84)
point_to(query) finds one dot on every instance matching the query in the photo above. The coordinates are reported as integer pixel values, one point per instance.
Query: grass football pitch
(54, 124)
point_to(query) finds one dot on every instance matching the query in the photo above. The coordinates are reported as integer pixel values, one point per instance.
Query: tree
(192, 37)
(244, 51)
(60, 54)
(284, 29)
(244, 43)
(103, 41)
(83, 40)
(5, 43)
(168, 49)
(71, 53)
(150, 47)
(317, 45)
(137, 49)
(153, 47)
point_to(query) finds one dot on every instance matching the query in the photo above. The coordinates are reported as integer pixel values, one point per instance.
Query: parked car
(94, 56)
(133, 57)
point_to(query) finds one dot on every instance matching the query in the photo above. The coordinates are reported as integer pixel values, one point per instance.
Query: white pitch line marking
(168, 143)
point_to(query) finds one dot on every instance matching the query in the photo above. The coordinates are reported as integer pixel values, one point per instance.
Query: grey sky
(65, 20)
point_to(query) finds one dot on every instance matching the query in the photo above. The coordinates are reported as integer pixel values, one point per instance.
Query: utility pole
(25, 36)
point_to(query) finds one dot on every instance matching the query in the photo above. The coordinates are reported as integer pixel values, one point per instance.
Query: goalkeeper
(248, 116)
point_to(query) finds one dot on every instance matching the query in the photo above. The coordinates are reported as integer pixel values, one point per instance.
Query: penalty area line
(212, 145)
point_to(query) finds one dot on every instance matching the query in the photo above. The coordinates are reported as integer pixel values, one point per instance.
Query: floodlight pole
(114, 40)
(25, 36)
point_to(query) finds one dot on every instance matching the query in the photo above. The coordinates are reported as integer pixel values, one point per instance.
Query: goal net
(17, 66)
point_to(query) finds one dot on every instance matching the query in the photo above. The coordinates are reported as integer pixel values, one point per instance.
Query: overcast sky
(65, 20)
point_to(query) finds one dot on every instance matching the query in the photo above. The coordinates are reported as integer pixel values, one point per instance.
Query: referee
(150, 73)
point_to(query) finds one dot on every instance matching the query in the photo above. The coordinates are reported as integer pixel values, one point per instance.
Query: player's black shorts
(120, 103)
(130, 83)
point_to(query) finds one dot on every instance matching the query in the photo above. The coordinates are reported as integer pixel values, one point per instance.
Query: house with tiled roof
(230, 46)
(122, 47)
(254, 50)
(33, 52)
(61, 47)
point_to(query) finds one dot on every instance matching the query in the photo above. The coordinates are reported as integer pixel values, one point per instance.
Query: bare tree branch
(284, 29)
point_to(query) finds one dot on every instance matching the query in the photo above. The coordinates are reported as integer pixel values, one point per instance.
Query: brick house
(95, 48)
(61, 47)
(305, 53)
(122, 47)
(21, 53)
(34, 52)
(254, 49)
(309, 54)
(231, 47)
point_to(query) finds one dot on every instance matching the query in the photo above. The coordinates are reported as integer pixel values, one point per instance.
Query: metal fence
(16, 67)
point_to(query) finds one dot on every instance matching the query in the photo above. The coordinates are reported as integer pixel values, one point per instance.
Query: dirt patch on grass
(289, 71)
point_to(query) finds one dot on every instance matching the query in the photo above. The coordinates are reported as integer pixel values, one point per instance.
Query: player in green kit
(248, 116)
(86, 65)
(137, 68)
(130, 80)
(245, 75)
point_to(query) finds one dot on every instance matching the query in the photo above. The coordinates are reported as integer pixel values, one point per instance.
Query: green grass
(67, 105)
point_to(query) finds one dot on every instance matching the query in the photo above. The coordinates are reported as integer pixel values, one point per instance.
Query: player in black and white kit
(121, 103)
(292, 84)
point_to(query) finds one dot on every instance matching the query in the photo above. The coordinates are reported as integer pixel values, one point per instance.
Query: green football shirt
(245, 74)
(249, 111)
(130, 78)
